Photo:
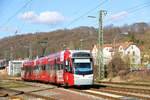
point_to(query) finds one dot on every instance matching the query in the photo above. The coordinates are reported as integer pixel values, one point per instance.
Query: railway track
(123, 93)
(128, 87)
(125, 89)
(113, 93)
(117, 93)
(15, 94)
(5, 94)
(95, 94)
(101, 91)
(124, 83)
(69, 89)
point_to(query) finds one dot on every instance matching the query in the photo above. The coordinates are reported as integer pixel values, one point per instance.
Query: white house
(14, 67)
(128, 48)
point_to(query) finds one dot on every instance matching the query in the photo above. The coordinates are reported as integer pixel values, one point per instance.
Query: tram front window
(83, 68)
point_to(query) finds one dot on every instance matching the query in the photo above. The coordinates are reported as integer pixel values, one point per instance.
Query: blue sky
(49, 15)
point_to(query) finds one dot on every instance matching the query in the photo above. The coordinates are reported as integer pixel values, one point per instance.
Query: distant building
(14, 67)
(124, 49)
(3, 63)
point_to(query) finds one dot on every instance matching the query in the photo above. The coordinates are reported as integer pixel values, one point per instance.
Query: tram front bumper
(83, 79)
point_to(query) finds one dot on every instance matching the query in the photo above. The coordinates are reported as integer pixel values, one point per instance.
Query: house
(124, 49)
(14, 67)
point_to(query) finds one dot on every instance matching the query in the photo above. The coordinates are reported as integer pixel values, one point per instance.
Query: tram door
(68, 76)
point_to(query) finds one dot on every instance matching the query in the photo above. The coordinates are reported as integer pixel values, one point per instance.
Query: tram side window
(29, 69)
(43, 67)
(26, 70)
(34, 69)
(37, 68)
(58, 65)
(47, 67)
(51, 67)
(61, 66)
(22, 69)
(40, 68)
(69, 68)
(54, 67)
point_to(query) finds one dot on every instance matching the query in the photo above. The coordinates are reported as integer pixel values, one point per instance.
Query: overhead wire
(11, 17)
(78, 18)
(133, 9)
(28, 8)
(138, 7)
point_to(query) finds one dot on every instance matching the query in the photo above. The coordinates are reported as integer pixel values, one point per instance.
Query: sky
(31, 16)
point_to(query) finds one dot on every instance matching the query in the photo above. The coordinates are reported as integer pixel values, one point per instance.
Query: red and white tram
(68, 67)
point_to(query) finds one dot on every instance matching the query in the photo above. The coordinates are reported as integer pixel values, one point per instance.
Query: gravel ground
(59, 93)
(52, 92)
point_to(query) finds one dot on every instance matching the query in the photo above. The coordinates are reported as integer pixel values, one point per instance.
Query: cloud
(47, 18)
(118, 16)
(9, 29)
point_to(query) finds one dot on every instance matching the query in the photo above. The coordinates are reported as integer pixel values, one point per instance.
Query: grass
(13, 85)
(139, 81)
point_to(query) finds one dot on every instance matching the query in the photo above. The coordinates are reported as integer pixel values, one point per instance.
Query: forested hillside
(81, 37)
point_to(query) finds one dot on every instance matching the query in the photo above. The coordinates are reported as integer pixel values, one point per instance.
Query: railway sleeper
(10, 96)
(123, 93)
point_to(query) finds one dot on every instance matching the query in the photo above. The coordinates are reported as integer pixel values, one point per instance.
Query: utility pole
(100, 46)
(64, 46)
(81, 44)
(5, 55)
(11, 53)
(11, 48)
(30, 51)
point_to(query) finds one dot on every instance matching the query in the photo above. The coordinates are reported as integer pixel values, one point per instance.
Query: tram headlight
(91, 76)
(77, 77)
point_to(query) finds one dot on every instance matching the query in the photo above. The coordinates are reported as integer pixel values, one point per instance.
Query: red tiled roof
(125, 45)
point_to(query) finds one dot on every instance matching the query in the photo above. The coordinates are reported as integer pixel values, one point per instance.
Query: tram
(68, 68)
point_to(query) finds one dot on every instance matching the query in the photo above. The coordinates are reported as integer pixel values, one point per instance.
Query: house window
(133, 53)
(111, 54)
(132, 46)
(133, 60)
(121, 53)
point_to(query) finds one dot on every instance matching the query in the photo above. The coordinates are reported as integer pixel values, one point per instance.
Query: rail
(4, 94)
(27, 93)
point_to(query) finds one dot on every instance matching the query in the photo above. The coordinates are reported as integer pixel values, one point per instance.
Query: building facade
(128, 49)
(14, 67)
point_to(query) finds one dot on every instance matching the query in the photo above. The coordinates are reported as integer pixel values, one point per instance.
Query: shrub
(117, 67)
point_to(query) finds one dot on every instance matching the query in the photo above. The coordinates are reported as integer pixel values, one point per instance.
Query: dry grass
(117, 67)
(12, 85)
(138, 76)
(3, 75)
(132, 77)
